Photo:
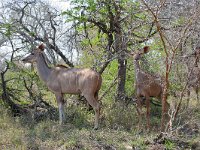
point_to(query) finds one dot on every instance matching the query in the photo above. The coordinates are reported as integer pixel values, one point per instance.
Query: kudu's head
(137, 55)
(31, 58)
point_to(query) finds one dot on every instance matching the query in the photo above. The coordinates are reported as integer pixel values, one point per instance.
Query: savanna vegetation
(103, 35)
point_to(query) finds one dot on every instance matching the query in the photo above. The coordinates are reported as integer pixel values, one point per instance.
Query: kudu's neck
(136, 65)
(138, 71)
(42, 67)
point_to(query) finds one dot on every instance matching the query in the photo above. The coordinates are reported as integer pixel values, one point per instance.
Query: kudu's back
(149, 85)
(74, 80)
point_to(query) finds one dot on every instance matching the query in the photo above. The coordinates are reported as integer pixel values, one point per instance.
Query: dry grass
(117, 131)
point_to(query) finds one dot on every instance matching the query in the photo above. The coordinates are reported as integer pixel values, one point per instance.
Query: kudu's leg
(60, 101)
(188, 97)
(167, 112)
(148, 111)
(139, 111)
(197, 93)
(93, 101)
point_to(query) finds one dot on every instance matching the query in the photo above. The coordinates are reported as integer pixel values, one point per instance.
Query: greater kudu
(147, 86)
(61, 80)
(194, 78)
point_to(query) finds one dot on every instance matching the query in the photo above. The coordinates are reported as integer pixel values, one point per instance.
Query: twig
(108, 90)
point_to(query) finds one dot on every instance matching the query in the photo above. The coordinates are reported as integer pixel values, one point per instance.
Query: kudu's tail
(99, 82)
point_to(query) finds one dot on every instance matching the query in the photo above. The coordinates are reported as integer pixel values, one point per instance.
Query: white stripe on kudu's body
(62, 80)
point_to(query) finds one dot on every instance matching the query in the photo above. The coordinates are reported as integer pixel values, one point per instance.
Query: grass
(50, 135)
(117, 130)
(11, 133)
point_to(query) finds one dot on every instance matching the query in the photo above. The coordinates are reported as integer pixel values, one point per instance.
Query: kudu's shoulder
(87, 71)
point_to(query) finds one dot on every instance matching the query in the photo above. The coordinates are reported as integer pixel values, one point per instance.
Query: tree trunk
(120, 50)
(120, 47)
(121, 76)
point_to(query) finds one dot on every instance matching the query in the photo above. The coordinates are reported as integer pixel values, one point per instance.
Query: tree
(113, 23)
(33, 22)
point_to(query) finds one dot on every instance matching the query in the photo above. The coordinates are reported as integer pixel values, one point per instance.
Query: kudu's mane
(62, 66)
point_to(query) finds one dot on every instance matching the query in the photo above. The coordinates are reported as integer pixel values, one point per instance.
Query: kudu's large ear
(146, 49)
(41, 47)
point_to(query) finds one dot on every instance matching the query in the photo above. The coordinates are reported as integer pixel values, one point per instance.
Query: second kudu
(147, 86)
(194, 78)
(61, 80)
